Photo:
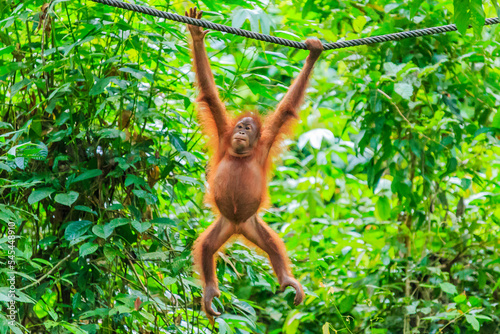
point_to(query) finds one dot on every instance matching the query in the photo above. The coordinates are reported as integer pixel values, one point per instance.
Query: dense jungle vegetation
(387, 194)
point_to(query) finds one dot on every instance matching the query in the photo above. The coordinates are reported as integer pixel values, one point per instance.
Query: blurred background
(387, 195)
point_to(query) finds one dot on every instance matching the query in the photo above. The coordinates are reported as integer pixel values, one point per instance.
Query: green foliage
(387, 197)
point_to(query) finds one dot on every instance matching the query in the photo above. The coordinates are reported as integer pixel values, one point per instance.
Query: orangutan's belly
(238, 187)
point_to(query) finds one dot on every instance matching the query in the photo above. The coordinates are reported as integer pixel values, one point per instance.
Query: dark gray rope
(399, 35)
(282, 41)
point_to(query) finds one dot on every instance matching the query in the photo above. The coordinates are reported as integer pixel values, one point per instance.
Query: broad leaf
(76, 229)
(88, 175)
(448, 288)
(462, 15)
(88, 248)
(39, 194)
(67, 199)
(383, 208)
(473, 321)
(100, 86)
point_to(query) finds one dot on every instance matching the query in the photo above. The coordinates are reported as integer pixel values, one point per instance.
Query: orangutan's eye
(247, 128)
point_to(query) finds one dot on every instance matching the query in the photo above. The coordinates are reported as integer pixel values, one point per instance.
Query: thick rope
(282, 41)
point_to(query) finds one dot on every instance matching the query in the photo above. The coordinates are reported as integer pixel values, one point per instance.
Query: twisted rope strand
(400, 35)
(282, 41)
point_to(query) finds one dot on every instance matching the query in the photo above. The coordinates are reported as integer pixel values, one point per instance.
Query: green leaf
(239, 17)
(111, 133)
(177, 142)
(85, 208)
(414, 7)
(88, 248)
(67, 199)
(101, 232)
(118, 222)
(5, 167)
(359, 23)
(292, 322)
(14, 328)
(473, 321)
(33, 151)
(18, 86)
(451, 166)
(100, 85)
(80, 239)
(169, 280)
(88, 175)
(347, 304)
(141, 227)
(460, 299)
(252, 15)
(326, 328)
(477, 16)
(76, 229)
(462, 15)
(465, 183)
(411, 309)
(136, 181)
(308, 6)
(383, 208)
(7, 50)
(223, 326)
(39, 194)
(21, 162)
(497, 7)
(67, 48)
(115, 206)
(98, 313)
(404, 89)
(147, 196)
(163, 221)
(72, 328)
(110, 253)
(138, 74)
(448, 288)
(496, 120)
(154, 256)
(485, 130)
(110, 227)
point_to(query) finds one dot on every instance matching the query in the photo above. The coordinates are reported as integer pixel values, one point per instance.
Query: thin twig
(48, 273)
(395, 106)
(155, 303)
(406, 119)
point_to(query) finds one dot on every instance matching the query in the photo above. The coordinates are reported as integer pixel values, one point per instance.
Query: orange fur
(239, 170)
(210, 130)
